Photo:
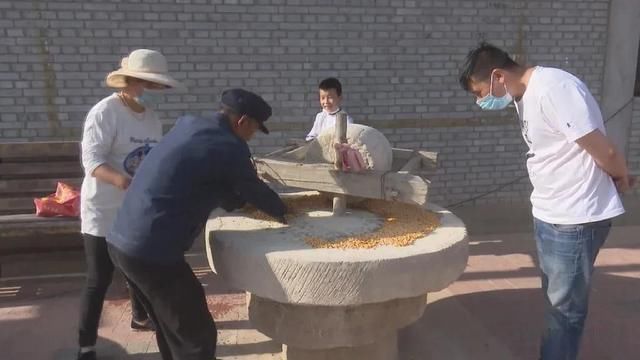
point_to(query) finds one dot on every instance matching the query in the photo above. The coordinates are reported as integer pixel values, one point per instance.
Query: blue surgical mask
(149, 98)
(491, 102)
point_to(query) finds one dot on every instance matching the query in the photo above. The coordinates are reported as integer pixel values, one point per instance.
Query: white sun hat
(143, 64)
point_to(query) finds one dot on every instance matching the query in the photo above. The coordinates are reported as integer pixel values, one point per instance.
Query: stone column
(355, 332)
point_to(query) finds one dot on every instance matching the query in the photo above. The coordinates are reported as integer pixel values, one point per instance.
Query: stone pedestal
(333, 304)
(356, 332)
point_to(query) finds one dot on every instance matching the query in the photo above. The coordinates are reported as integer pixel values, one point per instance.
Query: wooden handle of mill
(340, 136)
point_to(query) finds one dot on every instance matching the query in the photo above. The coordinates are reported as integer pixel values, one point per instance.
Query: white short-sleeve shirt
(324, 120)
(568, 186)
(113, 134)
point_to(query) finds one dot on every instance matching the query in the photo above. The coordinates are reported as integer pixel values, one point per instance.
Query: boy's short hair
(331, 83)
(481, 61)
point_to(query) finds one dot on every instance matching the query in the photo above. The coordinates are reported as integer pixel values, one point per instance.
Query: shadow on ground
(473, 320)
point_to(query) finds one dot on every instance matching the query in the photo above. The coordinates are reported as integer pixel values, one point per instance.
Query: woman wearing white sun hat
(118, 132)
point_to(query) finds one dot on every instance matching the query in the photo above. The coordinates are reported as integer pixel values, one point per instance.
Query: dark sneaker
(144, 325)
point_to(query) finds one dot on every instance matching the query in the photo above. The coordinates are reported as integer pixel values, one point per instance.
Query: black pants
(99, 276)
(176, 304)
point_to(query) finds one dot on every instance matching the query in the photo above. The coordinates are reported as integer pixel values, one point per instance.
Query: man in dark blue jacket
(201, 164)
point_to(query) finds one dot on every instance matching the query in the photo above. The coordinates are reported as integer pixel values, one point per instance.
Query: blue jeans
(566, 255)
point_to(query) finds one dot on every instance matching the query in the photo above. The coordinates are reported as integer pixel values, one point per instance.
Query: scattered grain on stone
(403, 223)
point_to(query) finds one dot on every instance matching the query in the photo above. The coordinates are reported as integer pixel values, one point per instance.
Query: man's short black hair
(481, 61)
(331, 83)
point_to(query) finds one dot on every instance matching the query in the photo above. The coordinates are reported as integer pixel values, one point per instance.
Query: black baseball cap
(245, 102)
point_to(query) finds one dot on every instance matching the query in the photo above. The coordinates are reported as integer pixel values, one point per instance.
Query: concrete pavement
(494, 311)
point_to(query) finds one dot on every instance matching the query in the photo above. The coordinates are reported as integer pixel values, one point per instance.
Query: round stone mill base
(333, 304)
(356, 332)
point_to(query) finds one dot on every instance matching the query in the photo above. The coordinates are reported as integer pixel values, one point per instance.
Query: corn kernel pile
(403, 224)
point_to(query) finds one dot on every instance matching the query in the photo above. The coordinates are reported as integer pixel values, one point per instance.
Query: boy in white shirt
(330, 91)
(576, 172)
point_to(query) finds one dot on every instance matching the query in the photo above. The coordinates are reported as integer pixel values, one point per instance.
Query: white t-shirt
(568, 186)
(324, 120)
(115, 135)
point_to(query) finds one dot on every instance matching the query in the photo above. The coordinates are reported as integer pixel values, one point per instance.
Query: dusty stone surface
(324, 327)
(274, 262)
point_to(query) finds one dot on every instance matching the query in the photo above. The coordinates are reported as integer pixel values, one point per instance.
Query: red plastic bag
(65, 202)
(350, 158)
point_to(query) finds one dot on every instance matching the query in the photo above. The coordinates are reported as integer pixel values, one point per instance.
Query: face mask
(491, 102)
(149, 98)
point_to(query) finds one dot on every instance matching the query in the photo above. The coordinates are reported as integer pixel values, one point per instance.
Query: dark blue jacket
(198, 166)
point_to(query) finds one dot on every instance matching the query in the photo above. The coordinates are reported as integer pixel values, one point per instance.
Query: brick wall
(398, 61)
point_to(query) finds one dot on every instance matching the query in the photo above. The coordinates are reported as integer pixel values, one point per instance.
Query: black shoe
(89, 355)
(144, 325)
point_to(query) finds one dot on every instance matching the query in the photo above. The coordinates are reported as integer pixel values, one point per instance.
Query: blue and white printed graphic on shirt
(133, 160)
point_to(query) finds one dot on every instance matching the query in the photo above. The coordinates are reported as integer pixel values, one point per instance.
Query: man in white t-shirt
(330, 95)
(576, 172)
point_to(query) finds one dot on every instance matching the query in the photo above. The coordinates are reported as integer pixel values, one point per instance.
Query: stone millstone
(327, 303)
(375, 149)
(274, 262)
